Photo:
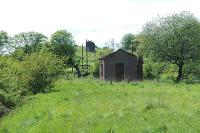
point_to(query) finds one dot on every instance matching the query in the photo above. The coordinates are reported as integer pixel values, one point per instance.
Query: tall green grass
(93, 106)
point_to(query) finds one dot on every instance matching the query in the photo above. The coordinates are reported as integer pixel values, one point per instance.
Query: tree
(62, 44)
(112, 44)
(29, 41)
(174, 38)
(4, 42)
(127, 41)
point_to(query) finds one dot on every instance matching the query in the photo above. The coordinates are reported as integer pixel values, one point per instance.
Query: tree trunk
(76, 66)
(78, 70)
(180, 73)
(158, 79)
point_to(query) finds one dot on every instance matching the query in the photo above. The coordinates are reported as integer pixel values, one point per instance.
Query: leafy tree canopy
(62, 43)
(29, 41)
(174, 38)
(127, 41)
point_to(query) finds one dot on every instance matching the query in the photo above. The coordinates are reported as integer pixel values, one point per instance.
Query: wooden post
(86, 56)
(87, 61)
(82, 56)
(111, 80)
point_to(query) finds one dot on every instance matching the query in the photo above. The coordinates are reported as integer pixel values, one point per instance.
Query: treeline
(30, 63)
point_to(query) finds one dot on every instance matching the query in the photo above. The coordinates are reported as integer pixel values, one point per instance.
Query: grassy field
(93, 106)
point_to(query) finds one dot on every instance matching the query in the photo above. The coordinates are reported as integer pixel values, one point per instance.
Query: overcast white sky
(97, 20)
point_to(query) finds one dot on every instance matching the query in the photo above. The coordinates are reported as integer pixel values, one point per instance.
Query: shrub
(192, 71)
(41, 69)
(18, 54)
(148, 70)
(35, 73)
(11, 85)
(96, 69)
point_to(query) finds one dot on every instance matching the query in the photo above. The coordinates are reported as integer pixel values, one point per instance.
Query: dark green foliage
(174, 38)
(154, 70)
(148, 71)
(11, 85)
(27, 69)
(158, 69)
(41, 71)
(95, 69)
(34, 73)
(18, 54)
(192, 71)
(62, 43)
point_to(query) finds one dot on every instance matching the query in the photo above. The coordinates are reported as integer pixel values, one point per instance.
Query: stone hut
(121, 65)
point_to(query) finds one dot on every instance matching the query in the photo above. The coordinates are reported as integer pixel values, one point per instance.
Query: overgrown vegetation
(30, 63)
(88, 105)
(35, 73)
(41, 70)
(10, 83)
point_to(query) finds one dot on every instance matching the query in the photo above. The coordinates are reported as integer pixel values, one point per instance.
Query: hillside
(84, 106)
(92, 57)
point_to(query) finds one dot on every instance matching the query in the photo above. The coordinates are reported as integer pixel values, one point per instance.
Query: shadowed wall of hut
(140, 69)
(118, 66)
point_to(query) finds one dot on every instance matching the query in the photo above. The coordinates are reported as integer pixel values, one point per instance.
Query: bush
(35, 73)
(11, 85)
(154, 70)
(192, 71)
(96, 69)
(148, 70)
(41, 69)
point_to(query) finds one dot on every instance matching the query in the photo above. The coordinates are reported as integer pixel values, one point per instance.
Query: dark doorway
(119, 68)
